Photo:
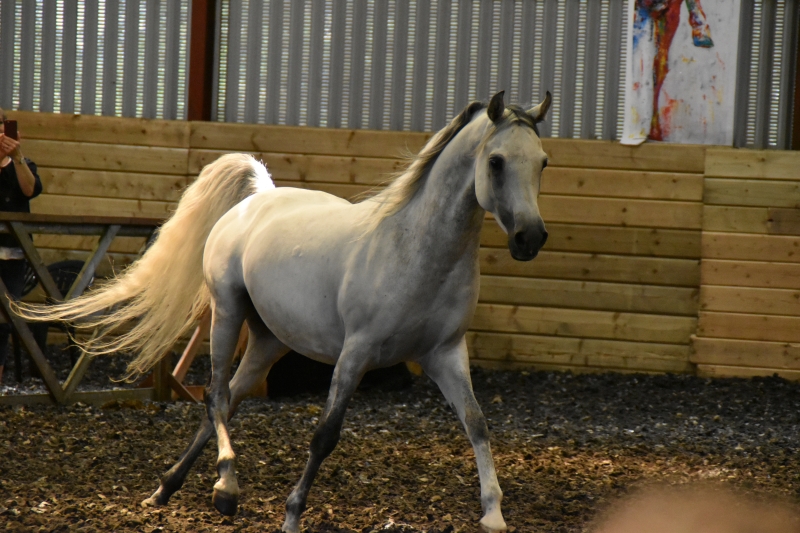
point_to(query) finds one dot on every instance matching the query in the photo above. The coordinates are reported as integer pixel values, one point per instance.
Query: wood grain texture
(624, 297)
(750, 300)
(733, 352)
(748, 326)
(752, 164)
(657, 242)
(725, 371)
(622, 183)
(508, 345)
(621, 212)
(55, 204)
(763, 220)
(305, 140)
(117, 157)
(583, 323)
(750, 274)
(607, 354)
(751, 247)
(753, 193)
(107, 184)
(310, 167)
(658, 157)
(99, 129)
(647, 366)
(594, 267)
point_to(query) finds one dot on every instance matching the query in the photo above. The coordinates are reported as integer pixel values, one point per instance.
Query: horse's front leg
(346, 376)
(225, 326)
(450, 370)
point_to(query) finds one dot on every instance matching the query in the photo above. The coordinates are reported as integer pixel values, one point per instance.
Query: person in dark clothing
(19, 182)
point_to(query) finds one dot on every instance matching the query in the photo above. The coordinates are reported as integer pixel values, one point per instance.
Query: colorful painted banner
(681, 75)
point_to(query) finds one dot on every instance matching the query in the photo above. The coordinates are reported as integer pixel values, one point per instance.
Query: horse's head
(508, 173)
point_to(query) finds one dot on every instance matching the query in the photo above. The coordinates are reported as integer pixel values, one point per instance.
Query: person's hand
(8, 146)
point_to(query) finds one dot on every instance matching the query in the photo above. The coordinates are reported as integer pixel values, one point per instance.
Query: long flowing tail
(163, 293)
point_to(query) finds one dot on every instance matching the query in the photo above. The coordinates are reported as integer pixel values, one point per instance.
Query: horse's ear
(537, 113)
(496, 107)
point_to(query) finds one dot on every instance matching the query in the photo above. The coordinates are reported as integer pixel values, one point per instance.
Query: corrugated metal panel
(151, 68)
(420, 68)
(569, 68)
(462, 59)
(275, 59)
(591, 83)
(378, 72)
(335, 90)
(358, 54)
(295, 66)
(27, 55)
(171, 61)
(785, 89)
(8, 44)
(91, 56)
(440, 110)
(317, 36)
(766, 48)
(527, 51)
(48, 56)
(69, 36)
(89, 63)
(252, 98)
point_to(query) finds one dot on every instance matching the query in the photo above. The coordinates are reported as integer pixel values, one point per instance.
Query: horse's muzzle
(525, 244)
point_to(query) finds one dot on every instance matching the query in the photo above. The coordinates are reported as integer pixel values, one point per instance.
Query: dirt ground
(567, 449)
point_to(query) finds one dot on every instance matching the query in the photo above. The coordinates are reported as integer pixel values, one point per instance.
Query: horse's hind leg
(450, 370)
(263, 350)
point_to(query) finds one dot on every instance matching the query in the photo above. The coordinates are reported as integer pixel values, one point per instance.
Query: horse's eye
(496, 163)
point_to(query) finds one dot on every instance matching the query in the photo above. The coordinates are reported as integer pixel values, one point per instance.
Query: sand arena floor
(567, 448)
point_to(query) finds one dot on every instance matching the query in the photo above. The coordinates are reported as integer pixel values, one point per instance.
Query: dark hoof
(225, 503)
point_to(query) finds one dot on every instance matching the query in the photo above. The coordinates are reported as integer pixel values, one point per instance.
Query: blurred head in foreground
(697, 509)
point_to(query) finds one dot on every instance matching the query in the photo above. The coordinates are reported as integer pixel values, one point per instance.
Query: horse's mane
(407, 182)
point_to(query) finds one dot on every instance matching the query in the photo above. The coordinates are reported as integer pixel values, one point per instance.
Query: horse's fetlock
(226, 464)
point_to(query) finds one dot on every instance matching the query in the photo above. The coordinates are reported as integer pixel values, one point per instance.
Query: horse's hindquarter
(295, 245)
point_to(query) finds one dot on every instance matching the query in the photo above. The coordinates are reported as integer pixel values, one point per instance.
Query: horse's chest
(414, 316)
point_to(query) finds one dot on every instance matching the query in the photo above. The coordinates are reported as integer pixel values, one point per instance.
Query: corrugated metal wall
(413, 64)
(377, 64)
(114, 57)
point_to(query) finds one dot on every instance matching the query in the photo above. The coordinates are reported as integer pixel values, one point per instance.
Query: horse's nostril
(544, 238)
(519, 239)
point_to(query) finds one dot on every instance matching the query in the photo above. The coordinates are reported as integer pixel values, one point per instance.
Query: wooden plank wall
(749, 320)
(104, 166)
(617, 287)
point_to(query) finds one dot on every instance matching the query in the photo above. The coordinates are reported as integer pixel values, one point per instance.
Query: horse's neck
(444, 215)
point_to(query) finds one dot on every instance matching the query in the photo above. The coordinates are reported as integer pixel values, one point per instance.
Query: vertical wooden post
(201, 59)
(161, 386)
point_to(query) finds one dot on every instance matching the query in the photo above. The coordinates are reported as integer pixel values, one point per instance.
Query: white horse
(360, 286)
